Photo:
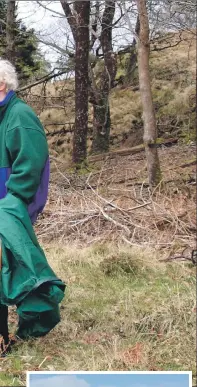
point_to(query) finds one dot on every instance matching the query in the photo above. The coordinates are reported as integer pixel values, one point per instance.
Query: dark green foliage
(2, 25)
(2, 9)
(27, 58)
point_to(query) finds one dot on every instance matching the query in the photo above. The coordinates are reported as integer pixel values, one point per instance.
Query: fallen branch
(193, 162)
(118, 224)
(61, 131)
(181, 257)
(122, 210)
(131, 151)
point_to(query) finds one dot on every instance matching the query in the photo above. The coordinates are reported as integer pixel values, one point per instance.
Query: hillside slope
(173, 85)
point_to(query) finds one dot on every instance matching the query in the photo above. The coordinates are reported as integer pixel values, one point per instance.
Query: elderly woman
(26, 279)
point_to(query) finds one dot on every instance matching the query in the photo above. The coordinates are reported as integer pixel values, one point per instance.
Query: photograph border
(29, 373)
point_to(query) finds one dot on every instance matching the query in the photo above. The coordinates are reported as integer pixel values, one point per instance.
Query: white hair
(8, 74)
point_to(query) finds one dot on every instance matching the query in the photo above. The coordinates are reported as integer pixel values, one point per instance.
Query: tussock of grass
(124, 309)
(125, 108)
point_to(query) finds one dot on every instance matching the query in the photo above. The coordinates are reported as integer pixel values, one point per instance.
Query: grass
(123, 310)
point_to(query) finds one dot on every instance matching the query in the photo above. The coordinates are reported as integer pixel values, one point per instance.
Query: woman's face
(3, 90)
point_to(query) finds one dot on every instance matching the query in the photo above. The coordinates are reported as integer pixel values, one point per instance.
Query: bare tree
(105, 32)
(101, 27)
(100, 89)
(82, 10)
(171, 15)
(10, 30)
(78, 19)
(150, 127)
(99, 95)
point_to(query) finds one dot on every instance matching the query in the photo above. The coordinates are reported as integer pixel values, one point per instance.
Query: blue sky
(109, 380)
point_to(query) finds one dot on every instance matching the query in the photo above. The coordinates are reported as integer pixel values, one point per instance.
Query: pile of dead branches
(91, 211)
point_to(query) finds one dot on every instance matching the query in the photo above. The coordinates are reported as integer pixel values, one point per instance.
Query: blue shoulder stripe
(4, 175)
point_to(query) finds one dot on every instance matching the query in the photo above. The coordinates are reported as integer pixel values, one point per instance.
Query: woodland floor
(125, 256)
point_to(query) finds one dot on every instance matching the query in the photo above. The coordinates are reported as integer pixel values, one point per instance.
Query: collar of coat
(5, 102)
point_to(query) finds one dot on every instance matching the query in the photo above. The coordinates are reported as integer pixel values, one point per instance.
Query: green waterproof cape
(27, 280)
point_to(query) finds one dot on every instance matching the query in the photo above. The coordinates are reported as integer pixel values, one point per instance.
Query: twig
(46, 358)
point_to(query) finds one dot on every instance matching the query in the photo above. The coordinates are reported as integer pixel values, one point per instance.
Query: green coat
(27, 280)
(23, 150)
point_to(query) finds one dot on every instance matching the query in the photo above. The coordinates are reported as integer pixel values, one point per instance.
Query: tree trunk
(150, 127)
(10, 31)
(130, 65)
(82, 11)
(101, 128)
(101, 110)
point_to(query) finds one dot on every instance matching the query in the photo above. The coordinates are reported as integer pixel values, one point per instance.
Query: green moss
(121, 65)
(82, 169)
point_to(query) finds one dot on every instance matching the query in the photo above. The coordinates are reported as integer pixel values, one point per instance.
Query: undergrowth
(124, 309)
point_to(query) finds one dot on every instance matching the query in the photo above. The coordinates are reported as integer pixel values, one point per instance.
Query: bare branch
(42, 80)
(55, 46)
(70, 17)
(49, 9)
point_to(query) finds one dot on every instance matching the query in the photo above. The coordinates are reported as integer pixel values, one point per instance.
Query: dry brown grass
(125, 108)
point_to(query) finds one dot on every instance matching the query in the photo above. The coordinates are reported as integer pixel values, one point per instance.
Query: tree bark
(150, 127)
(101, 127)
(130, 65)
(82, 9)
(100, 93)
(10, 31)
(79, 24)
(70, 17)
